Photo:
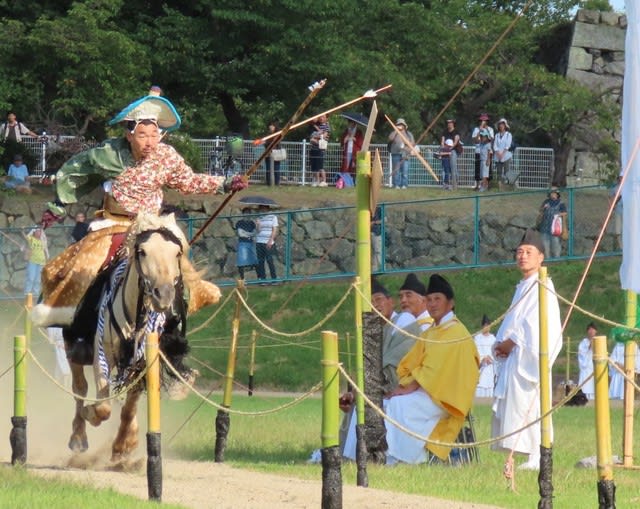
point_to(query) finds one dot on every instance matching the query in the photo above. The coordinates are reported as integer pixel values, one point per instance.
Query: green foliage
(187, 149)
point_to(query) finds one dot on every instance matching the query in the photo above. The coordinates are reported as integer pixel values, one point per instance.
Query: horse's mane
(145, 222)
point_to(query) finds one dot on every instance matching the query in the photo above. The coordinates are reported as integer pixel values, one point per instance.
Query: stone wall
(595, 60)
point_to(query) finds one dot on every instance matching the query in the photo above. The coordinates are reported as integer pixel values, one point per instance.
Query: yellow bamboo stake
(252, 362)
(19, 376)
(233, 351)
(153, 383)
(629, 393)
(330, 390)
(603, 424)
(545, 376)
(567, 375)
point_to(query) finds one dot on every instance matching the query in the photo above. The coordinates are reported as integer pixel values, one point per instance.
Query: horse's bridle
(168, 235)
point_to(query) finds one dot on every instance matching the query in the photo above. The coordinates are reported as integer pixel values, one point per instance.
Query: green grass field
(282, 442)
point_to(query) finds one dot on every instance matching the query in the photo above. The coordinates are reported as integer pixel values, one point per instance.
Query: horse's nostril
(164, 295)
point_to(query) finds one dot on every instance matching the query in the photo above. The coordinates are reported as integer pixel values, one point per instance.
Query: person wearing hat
(486, 155)
(437, 379)
(585, 361)
(550, 208)
(398, 336)
(476, 138)
(451, 141)
(413, 300)
(516, 351)
(246, 230)
(502, 149)
(484, 343)
(351, 142)
(18, 176)
(400, 153)
(133, 170)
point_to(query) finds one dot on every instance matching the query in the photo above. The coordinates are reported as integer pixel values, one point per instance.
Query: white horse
(141, 291)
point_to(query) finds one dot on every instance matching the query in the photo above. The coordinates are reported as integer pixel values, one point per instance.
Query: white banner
(630, 268)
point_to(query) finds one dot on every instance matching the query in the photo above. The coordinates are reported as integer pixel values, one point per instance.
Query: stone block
(588, 16)
(616, 68)
(318, 230)
(579, 59)
(595, 82)
(610, 18)
(416, 231)
(602, 37)
(589, 164)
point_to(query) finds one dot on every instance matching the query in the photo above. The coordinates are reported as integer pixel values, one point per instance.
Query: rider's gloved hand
(236, 183)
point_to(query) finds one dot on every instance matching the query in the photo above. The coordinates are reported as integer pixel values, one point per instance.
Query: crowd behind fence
(534, 165)
(479, 230)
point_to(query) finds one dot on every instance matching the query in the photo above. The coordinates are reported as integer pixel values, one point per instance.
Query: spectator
(400, 154)
(484, 342)
(320, 133)
(445, 158)
(18, 176)
(617, 213)
(246, 258)
(81, 227)
(271, 162)
(502, 149)
(36, 255)
(267, 225)
(550, 208)
(485, 159)
(585, 361)
(451, 133)
(413, 299)
(351, 142)
(475, 136)
(12, 130)
(516, 351)
(434, 394)
(395, 345)
(376, 239)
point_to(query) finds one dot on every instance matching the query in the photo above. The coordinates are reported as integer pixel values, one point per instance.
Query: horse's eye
(141, 252)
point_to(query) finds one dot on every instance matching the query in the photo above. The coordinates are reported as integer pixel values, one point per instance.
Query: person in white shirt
(585, 361)
(484, 342)
(265, 242)
(502, 149)
(517, 390)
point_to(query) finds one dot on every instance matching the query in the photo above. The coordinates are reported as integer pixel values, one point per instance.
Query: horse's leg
(127, 438)
(100, 411)
(78, 440)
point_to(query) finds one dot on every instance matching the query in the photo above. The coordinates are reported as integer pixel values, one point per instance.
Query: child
(38, 254)
(18, 178)
(485, 158)
(246, 252)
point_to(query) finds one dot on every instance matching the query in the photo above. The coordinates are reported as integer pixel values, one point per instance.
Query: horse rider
(133, 170)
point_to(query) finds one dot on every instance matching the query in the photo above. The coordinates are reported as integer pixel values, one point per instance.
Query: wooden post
(606, 487)
(567, 375)
(154, 456)
(331, 460)
(629, 392)
(18, 434)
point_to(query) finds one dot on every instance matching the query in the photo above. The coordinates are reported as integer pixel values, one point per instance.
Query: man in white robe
(585, 361)
(517, 391)
(484, 343)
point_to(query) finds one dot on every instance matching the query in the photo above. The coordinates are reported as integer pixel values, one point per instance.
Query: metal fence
(479, 230)
(535, 165)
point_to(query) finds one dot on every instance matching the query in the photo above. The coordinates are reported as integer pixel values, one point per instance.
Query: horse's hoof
(78, 444)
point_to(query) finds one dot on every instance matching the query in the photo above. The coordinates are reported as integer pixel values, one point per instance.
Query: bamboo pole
(606, 489)
(414, 149)
(567, 375)
(252, 362)
(153, 382)
(331, 460)
(363, 299)
(154, 456)
(369, 94)
(629, 393)
(545, 375)
(18, 434)
(233, 351)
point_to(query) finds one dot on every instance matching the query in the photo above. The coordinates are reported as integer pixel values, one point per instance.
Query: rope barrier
(114, 396)
(632, 381)
(468, 445)
(208, 320)
(195, 391)
(315, 327)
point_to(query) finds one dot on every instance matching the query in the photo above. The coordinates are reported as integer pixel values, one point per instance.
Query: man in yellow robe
(437, 381)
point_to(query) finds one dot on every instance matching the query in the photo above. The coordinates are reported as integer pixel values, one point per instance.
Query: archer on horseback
(133, 170)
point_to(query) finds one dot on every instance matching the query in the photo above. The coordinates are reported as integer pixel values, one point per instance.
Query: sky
(618, 5)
